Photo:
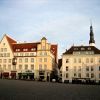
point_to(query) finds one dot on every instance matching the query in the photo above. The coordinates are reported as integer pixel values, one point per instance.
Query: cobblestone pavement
(31, 90)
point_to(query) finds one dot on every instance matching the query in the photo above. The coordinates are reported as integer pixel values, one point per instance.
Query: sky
(62, 22)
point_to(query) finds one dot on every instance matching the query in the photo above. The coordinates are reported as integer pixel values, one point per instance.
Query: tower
(91, 41)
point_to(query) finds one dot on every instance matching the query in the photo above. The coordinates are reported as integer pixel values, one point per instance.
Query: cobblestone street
(30, 90)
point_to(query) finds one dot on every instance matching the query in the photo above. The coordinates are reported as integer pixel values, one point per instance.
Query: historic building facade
(82, 63)
(27, 60)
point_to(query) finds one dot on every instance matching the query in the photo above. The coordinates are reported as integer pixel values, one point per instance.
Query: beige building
(27, 60)
(81, 63)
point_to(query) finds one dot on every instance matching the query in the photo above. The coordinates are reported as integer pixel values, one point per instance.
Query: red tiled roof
(10, 40)
(54, 50)
(23, 46)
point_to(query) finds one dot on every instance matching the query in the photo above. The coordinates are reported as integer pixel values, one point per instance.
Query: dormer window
(89, 48)
(82, 48)
(17, 49)
(75, 48)
(25, 49)
(32, 49)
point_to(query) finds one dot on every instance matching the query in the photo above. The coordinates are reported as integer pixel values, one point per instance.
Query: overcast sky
(63, 22)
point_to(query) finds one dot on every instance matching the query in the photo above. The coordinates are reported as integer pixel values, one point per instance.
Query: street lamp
(14, 62)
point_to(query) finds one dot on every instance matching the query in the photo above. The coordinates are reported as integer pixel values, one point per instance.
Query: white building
(81, 63)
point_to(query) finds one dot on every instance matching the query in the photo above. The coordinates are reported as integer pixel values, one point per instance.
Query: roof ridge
(10, 40)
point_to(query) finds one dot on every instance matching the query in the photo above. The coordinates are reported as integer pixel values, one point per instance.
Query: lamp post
(14, 62)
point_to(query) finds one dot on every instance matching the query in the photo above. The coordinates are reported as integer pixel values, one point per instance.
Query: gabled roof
(44, 38)
(82, 48)
(10, 40)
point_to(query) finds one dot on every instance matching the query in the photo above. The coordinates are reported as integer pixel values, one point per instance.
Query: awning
(24, 74)
(13, 74)
(5, 74)
(30, 74)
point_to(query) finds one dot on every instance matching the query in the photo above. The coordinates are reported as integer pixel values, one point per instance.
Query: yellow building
(27, 60)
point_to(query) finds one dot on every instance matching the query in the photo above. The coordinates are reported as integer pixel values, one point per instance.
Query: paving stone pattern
(32, 90)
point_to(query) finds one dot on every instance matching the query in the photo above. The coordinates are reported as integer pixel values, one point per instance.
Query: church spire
(91, 41)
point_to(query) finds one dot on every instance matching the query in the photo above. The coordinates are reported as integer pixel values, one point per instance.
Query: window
(20, 67)
(91, 60)
(14, 67)
(31, 54)
(40, 53)
(5, 49)
(32, 67)
(45, 67)
(79, 75)
(75, 60)
(40, 67)
(89, 48)
(79, 60)
(45, 53)
(79, 69)
(87, 60)
(87, 74)
(20, 60)
(4, 67)
(32, 49)
(17, 49)
(26, 67)
(26, 54)
(66, 75)
(75, 48)
(66, 68)
(82, 48)
(75, 74)
(67, 60)
(21, 54)
(25, 49)
(0, 60)
(87, 68)
(92, 68)
(9, 61)
(92, 75)
(4, 54)
(45, 59)
(1, 49)
(75, 68)
(32, 59)
(9, 67)
(4, 60)
(26, 60)
(8, 54)
(40, 60)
